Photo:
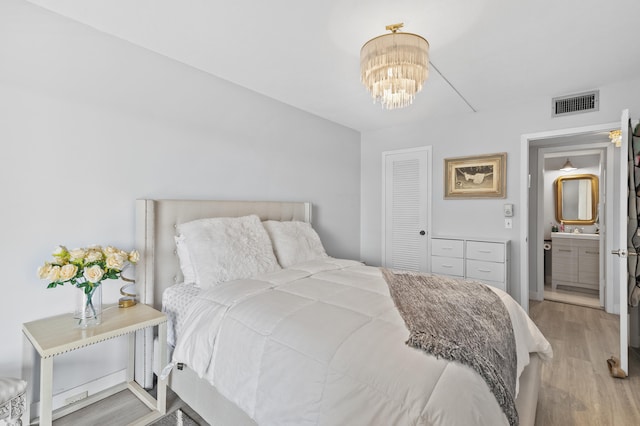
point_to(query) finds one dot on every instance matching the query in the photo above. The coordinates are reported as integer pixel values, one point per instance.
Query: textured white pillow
(228, 248)
(186, 266)
(294, 242)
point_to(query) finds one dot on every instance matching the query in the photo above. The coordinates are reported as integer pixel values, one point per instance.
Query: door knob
(422, 232)
(624, 253)
(619, 252)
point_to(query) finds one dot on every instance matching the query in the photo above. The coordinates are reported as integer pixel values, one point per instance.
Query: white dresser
(482, 259)
(575, 260)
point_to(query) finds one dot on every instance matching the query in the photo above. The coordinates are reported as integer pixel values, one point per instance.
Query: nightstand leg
(132, 358)
(28, 361)
(162, 384)
(46, 391)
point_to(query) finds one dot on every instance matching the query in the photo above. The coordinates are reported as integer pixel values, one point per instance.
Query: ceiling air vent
(576, 104)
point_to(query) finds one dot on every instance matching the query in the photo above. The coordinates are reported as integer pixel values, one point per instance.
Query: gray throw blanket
(460, 320)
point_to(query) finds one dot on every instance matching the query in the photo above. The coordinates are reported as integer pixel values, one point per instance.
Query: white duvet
(322, 343)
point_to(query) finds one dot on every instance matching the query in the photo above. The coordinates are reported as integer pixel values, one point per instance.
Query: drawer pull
(447, 248)
(484, 270)
(484, 251)
(568, 251)
(591, 252)
(447, 266)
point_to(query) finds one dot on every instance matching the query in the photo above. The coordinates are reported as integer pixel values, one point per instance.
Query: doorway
(569, 214)
(591, 150)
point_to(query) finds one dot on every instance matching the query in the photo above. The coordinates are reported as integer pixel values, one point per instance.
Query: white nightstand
(56, 335)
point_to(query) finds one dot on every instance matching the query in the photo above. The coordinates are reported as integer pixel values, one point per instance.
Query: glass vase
(88, 311)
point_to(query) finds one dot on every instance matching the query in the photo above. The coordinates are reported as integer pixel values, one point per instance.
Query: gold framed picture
(481, 176)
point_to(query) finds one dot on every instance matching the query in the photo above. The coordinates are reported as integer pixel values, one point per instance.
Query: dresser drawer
(447, 247)
(447, 266)
(480, 270)
(480, 250)
(484, 260)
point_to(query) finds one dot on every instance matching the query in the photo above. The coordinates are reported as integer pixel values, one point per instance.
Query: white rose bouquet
(87, 267)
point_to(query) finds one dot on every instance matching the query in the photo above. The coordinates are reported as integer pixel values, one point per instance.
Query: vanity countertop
(575, 235)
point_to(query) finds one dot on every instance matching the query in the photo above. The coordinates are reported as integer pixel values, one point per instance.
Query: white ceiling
(306, 54)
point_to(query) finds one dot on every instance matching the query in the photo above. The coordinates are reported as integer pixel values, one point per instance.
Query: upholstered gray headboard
(156, 222)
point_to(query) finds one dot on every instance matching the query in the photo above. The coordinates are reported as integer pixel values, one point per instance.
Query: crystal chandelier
(393, 67)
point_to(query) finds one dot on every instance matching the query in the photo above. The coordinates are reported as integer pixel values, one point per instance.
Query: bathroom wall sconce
(568, 167)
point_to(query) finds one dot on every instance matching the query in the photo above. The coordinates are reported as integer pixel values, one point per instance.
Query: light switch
(508, 210)
(508, 223)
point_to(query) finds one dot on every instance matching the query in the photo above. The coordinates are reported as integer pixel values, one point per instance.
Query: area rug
(176, 418)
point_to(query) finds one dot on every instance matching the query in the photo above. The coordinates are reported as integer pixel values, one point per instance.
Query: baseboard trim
(91, 388)
(534, 295)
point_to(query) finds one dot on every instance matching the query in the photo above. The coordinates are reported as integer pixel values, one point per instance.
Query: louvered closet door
(406, 209)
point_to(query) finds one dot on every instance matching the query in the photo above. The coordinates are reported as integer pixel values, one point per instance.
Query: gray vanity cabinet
(575, 262)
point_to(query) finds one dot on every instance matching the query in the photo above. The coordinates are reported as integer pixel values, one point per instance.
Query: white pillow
(294, 242)
(186, 266)
(228, 248)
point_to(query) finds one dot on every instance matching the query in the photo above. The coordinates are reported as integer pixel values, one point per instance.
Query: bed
(159, 270)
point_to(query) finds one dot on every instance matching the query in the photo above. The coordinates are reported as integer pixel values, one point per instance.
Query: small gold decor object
(394, 67)
(129, 298)
(126, 302)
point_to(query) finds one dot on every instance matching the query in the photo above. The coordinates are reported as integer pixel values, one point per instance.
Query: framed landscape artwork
(482, 176)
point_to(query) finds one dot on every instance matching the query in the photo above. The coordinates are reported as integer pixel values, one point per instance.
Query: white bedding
(176, 301)
(322, 343)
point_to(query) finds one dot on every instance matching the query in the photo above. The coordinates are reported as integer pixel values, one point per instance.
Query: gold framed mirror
(577, 199)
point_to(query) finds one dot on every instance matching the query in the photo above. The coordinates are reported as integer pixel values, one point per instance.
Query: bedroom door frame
(426, 225)
(622, 247)
(527, 141)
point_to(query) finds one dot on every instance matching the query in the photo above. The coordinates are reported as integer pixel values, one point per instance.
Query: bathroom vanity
(575, 260)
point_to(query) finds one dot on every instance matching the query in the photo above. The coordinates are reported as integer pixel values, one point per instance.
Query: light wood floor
(121, 409)
(576, 386)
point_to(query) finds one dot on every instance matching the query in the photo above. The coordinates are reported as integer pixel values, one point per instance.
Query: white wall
(89, 123)
(483, 132)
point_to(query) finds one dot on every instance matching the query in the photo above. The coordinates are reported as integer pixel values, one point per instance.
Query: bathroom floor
(573, 297)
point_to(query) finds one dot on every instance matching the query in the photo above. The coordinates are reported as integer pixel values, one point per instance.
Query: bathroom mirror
(577, 199)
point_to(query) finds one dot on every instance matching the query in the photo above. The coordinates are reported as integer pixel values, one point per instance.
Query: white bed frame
(156, 222)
